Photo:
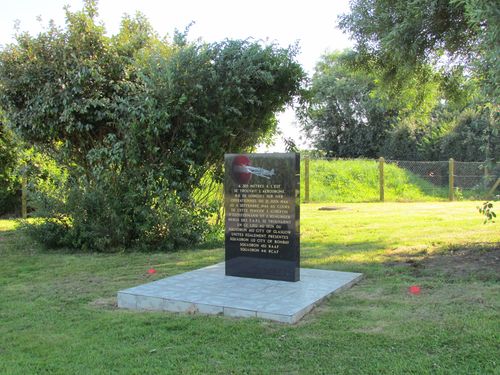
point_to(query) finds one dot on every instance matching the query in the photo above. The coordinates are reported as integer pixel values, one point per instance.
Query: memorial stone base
(209, 291)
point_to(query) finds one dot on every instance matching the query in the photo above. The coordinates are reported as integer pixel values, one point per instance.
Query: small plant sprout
(487, 211)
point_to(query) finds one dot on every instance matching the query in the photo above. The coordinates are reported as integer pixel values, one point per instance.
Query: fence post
(381, 177)
(493, 188)
(306, 179)
(451, 179)
(486, 176)
(24, 203)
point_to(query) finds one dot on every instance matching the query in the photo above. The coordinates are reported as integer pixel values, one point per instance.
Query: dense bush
(472, 138)
(415, 139)
(107, 222)
(134, 122)
(9, 181)
(467, 136)
(401, 144)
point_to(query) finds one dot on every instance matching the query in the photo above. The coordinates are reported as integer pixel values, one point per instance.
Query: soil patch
(478, 261)
(331, 208)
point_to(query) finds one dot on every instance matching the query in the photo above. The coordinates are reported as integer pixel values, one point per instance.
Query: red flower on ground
(151, 271)
(414, 289)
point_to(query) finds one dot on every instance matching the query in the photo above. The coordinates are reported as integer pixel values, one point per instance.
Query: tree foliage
(344, 117)
(472, 138)
(137, 120)
(9, 181)
(349, 116)
(436, 62)
(456, 37)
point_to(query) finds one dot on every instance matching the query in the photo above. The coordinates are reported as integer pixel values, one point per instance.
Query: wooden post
(493, 188)
(486, 177)
(306, 179)
(24, 203)
(381, 177)
(451, 179)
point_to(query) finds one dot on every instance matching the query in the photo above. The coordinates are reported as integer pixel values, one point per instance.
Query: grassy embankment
(349, 181)
(58, 312)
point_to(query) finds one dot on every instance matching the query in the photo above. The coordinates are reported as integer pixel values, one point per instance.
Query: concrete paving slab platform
(209, 291)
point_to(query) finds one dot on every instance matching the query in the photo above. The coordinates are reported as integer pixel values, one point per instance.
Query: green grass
(357, 180)
(58, 312)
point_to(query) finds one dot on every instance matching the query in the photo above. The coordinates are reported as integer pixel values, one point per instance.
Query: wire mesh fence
(365, 180)
(372, 180)
(472, 175)
(468, 179)
(435, 172)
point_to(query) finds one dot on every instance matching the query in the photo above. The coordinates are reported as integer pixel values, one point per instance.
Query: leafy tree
(137, 120)
(465, 140)
(220, 97)
(9, 181)
(344, 117)
(452, 43)
(350, 116)
(401, 37)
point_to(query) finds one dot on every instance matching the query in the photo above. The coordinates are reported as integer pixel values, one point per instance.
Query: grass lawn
(58, 309)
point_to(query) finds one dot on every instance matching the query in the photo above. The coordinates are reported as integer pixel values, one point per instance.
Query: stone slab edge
(148, 303)
(300, 314)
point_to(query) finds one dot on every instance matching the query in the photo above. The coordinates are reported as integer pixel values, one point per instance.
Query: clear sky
(310, 22)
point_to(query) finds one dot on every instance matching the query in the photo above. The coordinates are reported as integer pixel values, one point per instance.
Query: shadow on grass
(469, 261)
(6, 236)
(321, 253)
(376, 258)
(472, 261)
(322, 248)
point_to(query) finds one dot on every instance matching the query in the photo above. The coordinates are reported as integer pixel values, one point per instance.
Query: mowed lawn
(58, 310)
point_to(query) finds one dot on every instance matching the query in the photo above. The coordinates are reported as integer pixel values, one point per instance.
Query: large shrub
(415, 139)
(9, 180)
(135, 121)
(472, 138)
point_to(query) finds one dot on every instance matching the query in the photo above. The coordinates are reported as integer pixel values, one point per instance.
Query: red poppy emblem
(240, 173)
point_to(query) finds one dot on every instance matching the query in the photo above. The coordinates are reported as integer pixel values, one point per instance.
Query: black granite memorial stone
(262, 204)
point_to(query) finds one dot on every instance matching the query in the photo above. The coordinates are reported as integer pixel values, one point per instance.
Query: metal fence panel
(470, 180)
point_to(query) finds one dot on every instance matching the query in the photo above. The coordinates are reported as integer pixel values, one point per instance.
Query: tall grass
(350, 181)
